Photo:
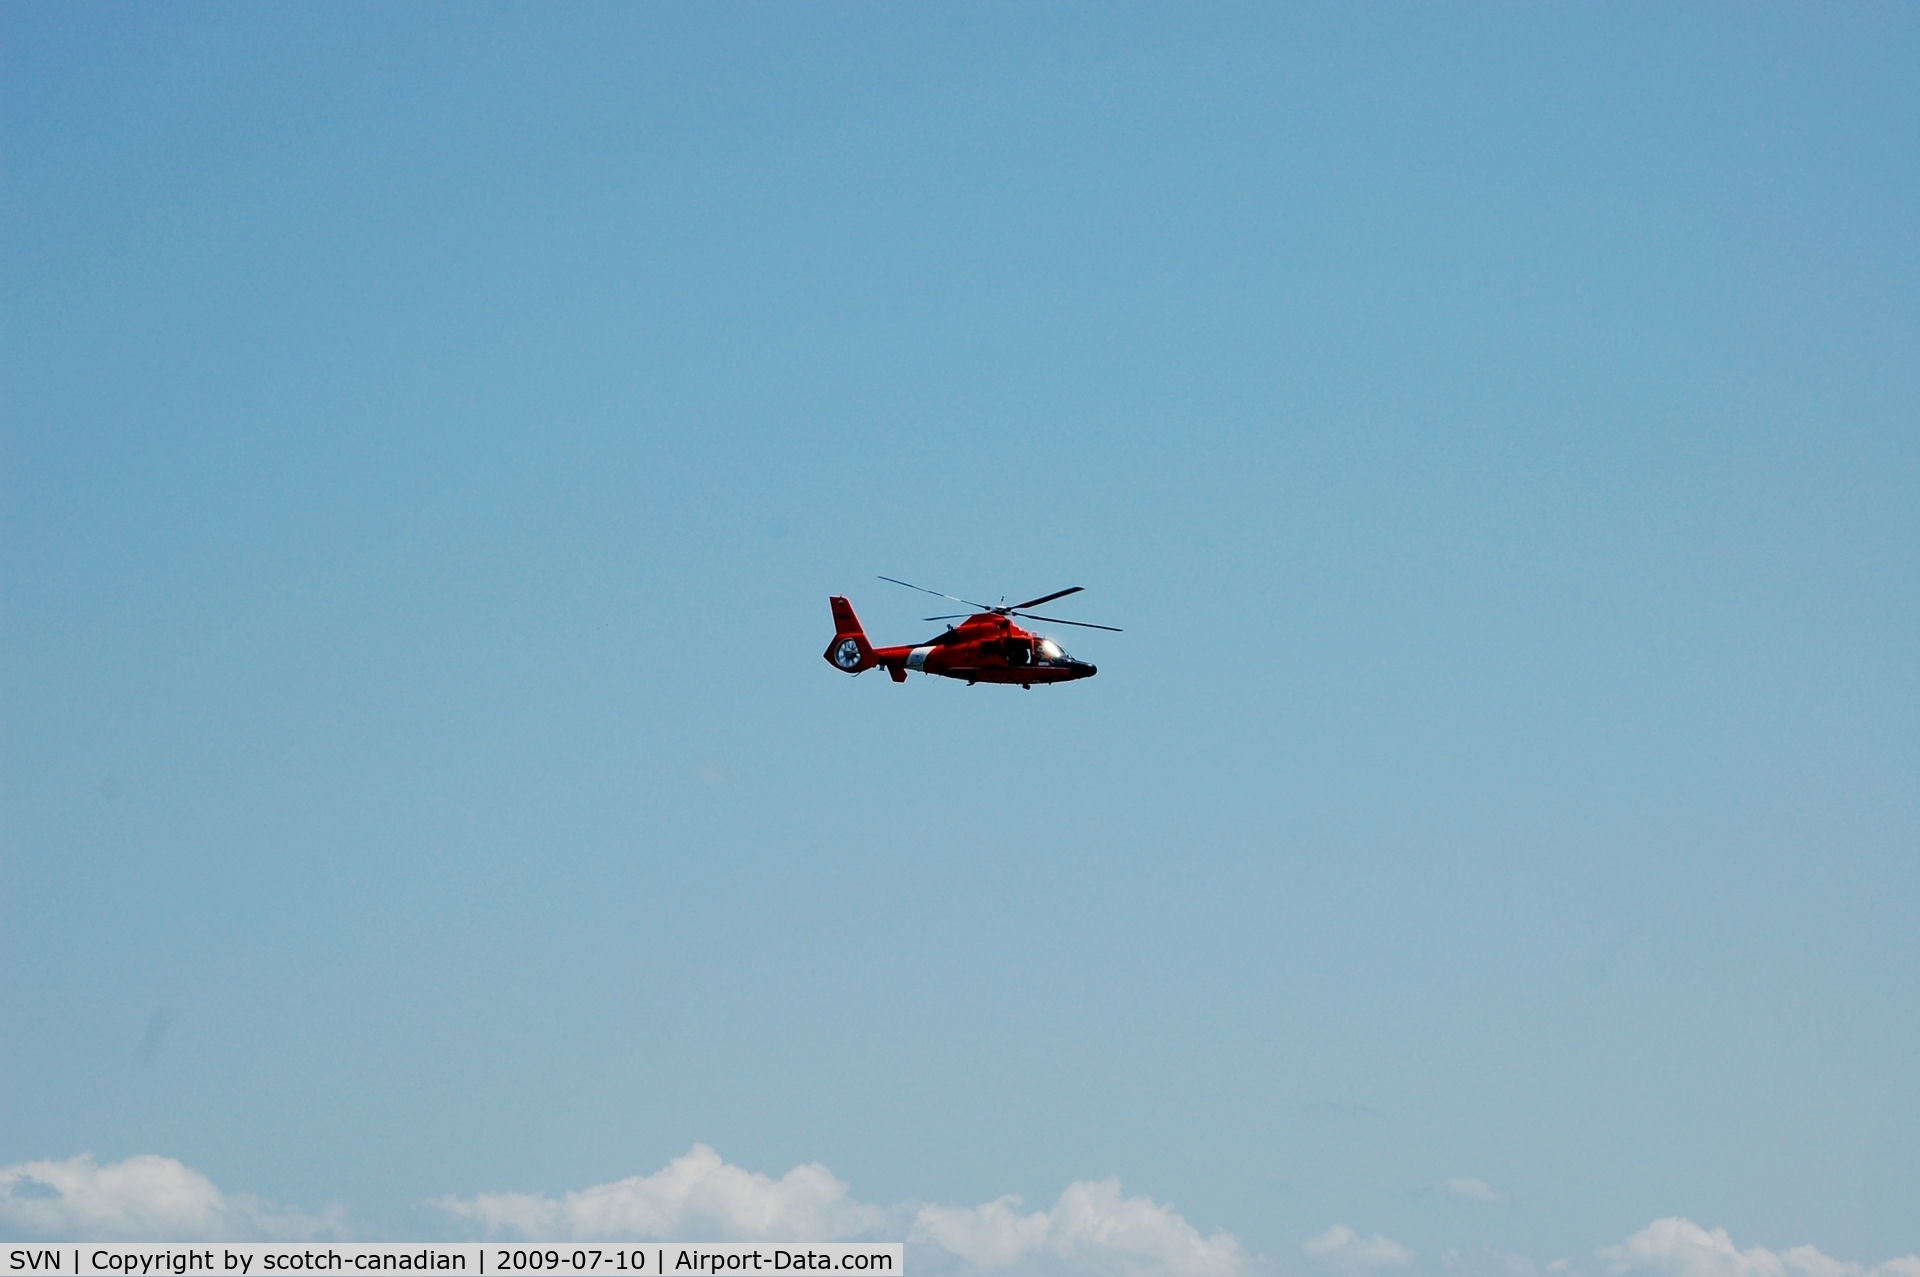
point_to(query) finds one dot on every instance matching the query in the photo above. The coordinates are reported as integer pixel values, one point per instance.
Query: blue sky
(431, 435)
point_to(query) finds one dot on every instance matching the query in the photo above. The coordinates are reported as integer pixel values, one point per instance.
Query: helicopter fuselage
(986, 648)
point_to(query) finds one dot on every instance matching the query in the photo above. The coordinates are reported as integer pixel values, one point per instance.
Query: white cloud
(1092, 1228)
(1681, 1248)
(697, 1196)
(143, 1199)
(1091, 1231)
(989, 1236)
(1343, 1250)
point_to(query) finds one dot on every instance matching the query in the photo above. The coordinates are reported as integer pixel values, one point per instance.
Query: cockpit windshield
(1048, 652)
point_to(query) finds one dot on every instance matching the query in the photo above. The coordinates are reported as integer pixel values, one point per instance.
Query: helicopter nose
(1086, 671)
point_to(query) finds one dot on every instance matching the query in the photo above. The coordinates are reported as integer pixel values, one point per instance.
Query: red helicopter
(986, 647)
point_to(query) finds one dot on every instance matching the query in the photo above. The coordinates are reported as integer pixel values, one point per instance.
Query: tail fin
(849, 650)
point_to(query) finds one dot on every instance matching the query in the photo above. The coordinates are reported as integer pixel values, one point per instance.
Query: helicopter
(986, 647)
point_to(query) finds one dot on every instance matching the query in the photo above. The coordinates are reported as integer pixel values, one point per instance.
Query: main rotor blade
(1085, 625)
(952, 617)
(1048, 598)
(936, 594)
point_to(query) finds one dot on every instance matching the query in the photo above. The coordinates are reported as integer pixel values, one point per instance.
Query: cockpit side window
(1019, 652)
